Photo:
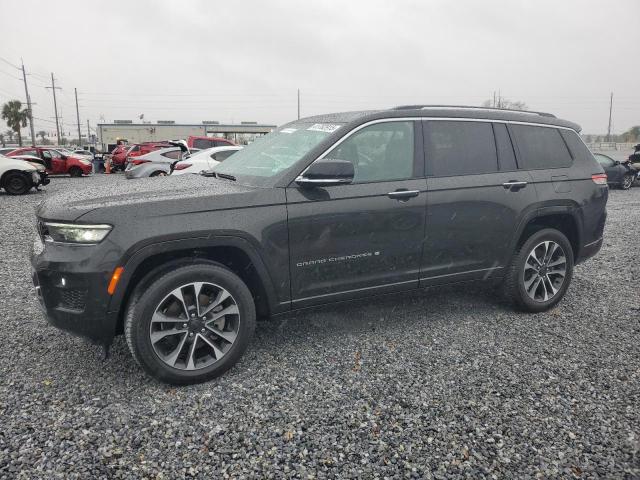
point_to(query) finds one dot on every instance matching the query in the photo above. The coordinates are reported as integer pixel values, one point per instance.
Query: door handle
(514, 185)
(403, 194)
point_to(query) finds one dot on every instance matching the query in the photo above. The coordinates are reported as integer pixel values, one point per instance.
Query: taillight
(138, 162)
(182, 166)
(599, 178)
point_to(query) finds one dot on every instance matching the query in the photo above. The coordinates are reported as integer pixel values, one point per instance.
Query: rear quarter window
(541, 147)
(579, 150)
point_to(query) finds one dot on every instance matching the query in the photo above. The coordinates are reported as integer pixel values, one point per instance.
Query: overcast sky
(190, 61)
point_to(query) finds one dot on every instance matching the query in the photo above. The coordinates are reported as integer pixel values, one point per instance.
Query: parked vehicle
(17, 177)
(5, 150)
(204, 143)
(56, 162)
(156, 163)
(619, 174)
(203, 160)
(118, 156)
(81, 153)
(324, 209)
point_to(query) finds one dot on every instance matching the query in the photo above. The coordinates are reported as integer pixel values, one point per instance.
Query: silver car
(157, 163)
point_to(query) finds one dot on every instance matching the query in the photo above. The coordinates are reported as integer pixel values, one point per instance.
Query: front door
(476, 196)
(365, 237)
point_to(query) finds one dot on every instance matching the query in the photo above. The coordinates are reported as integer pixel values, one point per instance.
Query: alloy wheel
(194, 326)
(627, 182)
(544, 271)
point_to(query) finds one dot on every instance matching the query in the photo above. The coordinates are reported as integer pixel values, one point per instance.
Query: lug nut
(191, 334)
(184, 325)
(202, 331)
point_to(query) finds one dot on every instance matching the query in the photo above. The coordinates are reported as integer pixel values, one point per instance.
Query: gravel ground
(434, 384)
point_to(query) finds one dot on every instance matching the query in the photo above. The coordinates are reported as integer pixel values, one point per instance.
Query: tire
(16, 183)
(154, 344)
(159, 173)
(627, 181)
(518, 278)
(75, 172)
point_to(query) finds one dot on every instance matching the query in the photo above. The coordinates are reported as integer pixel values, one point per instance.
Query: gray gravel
(439, 384)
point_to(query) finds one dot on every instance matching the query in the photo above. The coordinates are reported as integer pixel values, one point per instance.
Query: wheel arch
(234, 253)
(564, 218)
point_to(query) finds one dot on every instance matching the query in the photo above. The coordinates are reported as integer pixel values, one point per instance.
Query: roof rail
(467, 107)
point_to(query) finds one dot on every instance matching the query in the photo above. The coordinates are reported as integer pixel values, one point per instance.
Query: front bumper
(71, 287)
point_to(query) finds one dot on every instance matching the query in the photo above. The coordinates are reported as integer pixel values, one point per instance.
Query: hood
(148, 196)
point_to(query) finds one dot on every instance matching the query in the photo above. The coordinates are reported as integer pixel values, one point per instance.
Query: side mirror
(63, 156)
(327, 172)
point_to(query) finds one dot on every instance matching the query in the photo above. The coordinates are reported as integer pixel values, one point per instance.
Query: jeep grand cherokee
(326, 208)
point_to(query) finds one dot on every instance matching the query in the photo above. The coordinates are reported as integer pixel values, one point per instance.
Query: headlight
(35, 176)
(74, 233)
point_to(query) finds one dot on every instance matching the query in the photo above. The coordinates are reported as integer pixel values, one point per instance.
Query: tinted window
(221, 143)
(220, 156)
(506, 156)
(604, 161)
(379, 152)
(541, 147)
(578, 149)
(174, 154)
(203, 143)
(460, 148)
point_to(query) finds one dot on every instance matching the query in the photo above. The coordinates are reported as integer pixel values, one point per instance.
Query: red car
(57, 163)
(121, 153)
(202, 143)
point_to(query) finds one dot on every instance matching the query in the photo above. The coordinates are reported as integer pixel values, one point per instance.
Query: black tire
(627, 181)
(75, 172)
(514, 283)
(16, 183)
(148, 297)
(159, 173)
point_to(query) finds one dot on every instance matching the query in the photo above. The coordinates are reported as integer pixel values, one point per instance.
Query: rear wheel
(75, 171)
(191, 324)
(16, 183)
(159, 173)
(627, 181)
(540, 271)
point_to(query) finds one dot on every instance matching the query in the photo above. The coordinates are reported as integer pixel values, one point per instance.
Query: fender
(138, 253)
(544, 210)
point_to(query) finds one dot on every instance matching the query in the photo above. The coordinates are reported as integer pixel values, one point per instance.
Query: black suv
(327, 208)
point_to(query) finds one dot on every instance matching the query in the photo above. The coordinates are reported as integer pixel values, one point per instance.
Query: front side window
(460, 148)
(541, 147)
(379, 152)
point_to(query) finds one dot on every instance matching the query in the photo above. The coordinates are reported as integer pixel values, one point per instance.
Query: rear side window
(541, 147)
(221, 143)
(460, 148)
(506, 156)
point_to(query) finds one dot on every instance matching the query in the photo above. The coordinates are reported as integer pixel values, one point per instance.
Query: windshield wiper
(224, 175)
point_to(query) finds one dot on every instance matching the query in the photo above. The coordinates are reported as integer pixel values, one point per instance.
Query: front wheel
(75, 172)
(191, 324)
(16, 183)
(540, 271)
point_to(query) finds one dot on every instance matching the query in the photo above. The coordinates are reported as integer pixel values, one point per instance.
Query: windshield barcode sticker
(324, 127)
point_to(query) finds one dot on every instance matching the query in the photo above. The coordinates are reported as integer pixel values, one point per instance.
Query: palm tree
(15, 116)
(41, 134)
(9, 135)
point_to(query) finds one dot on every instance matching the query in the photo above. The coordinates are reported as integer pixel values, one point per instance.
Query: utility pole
(298, 104)
(78, 118)
(26, 92)
(494, 99)
(610, 110)
(55, 104)
(88, 132)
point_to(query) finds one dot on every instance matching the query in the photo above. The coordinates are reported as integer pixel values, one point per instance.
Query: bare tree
(505, 103)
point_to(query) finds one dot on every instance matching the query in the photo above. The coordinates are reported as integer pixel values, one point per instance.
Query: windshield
(276, 152)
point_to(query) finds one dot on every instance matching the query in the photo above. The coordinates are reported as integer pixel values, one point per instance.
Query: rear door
(475, 198)
(365, 237)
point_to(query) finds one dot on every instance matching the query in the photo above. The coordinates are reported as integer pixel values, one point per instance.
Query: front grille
(72, 299)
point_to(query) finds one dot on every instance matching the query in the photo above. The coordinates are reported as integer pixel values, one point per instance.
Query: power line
(9, 63)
